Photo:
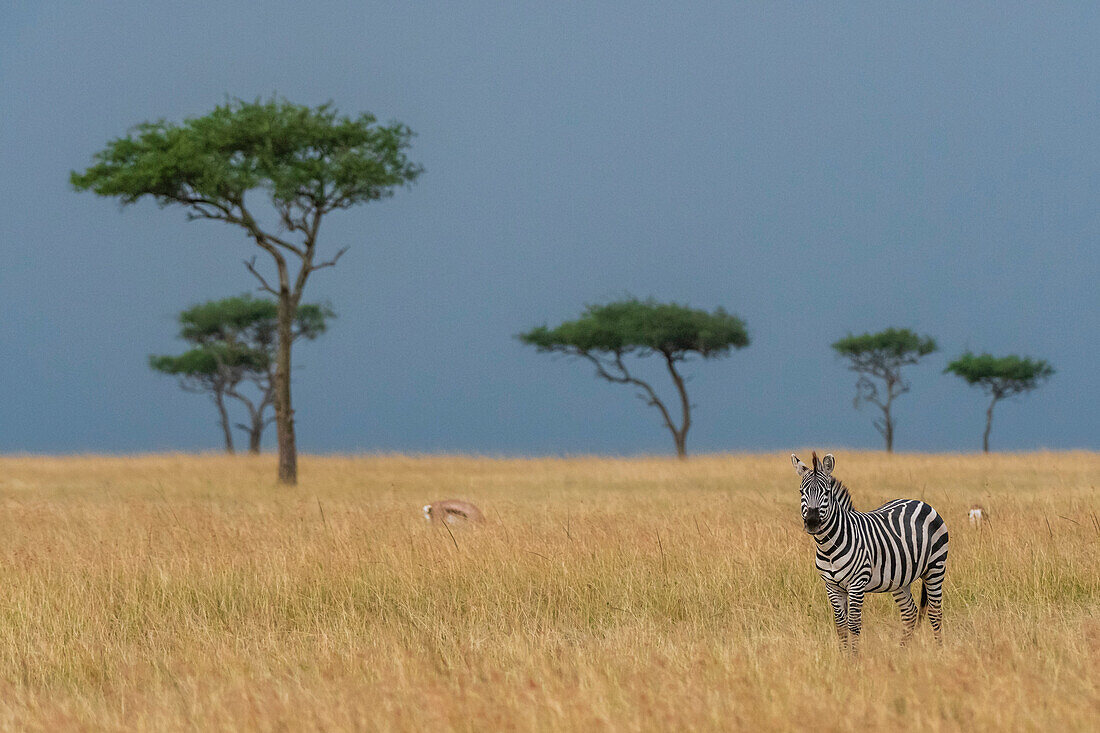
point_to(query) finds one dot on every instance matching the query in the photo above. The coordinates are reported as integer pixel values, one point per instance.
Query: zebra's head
(817, 490)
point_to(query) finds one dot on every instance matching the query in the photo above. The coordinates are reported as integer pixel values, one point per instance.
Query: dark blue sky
(816, 169)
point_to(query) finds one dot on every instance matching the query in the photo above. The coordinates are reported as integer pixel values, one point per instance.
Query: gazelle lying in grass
(451, 511)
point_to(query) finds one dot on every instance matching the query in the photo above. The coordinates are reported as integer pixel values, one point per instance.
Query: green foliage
(306, 157)
(1001, 376)
(894, 345)
(248, 319)
(643, 326)
(224, 319)
(236, 333)
(206, 361)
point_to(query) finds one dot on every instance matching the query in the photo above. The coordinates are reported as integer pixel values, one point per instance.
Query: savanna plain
(191, 592)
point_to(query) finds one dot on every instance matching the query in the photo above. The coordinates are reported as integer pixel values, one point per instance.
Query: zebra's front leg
(855, 617)
(908, 607)
(838, 597)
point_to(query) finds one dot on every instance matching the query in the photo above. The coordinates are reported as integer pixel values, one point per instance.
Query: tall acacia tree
(880, 356)
(234, 343)
(1000, 377)
(605, 334)
(308, 161)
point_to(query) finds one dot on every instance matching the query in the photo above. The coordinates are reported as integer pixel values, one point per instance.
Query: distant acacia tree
(605, 334)
(880, 356)
(234, 342)
(1000, 377)
(308, 161)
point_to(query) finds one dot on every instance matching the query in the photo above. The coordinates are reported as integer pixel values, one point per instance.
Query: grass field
(189, 592)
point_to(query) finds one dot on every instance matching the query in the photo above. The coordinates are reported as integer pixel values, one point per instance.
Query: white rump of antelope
(978, 514)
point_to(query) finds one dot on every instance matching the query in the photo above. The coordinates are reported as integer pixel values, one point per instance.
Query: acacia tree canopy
(1005, 375)
(208, 360)
(604, 334)
(891, 348)
(309, 161)
(248, 320)
(630, 326)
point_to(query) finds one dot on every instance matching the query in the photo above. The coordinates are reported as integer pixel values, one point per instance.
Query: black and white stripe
(881, 551)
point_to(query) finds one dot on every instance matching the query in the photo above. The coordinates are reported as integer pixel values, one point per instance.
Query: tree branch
(896, 382)
(251, 265)
(650, 397)
(289, 221)
(205, 208)
(199, 212)
(264, 239)
(196, 385)
(232, 392)
(330, 263)
(601, 370)
(202, 208)
(867, 391)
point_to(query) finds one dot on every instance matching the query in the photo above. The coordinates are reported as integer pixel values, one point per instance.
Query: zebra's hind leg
(932, 596)
(908, 607)
(838, 598)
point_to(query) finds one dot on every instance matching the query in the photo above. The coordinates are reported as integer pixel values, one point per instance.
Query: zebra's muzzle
(813, 520)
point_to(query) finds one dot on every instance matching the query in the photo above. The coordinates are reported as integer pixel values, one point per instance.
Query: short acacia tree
(878, 358)
(234, 343)
(212, 370)
(308, 161)
(1000, 377)
(606, 334)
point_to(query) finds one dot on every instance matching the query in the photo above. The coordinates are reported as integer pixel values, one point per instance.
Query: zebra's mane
(841, 496)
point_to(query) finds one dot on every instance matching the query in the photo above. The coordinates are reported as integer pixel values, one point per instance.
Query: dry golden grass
(170, 592)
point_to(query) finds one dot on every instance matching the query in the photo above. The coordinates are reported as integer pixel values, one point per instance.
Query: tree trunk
(219, 400)
(680, 436)
(284, 413)
(681, 444)
(254, 436)
(888, 429)
(988, 426)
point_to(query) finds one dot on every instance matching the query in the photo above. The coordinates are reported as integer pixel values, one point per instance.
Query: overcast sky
(814, 168)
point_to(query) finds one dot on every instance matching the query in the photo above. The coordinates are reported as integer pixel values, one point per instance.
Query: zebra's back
(903, 538)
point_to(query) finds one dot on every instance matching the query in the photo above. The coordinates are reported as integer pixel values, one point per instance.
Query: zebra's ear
(799, 466)
(828, 462)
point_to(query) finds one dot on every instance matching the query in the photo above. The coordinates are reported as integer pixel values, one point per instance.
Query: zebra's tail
(923, 600)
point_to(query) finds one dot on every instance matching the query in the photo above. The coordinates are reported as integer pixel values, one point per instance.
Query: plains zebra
(879, 551)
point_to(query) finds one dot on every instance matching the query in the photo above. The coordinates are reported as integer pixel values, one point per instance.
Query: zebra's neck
(838, 520)
(841, 498)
